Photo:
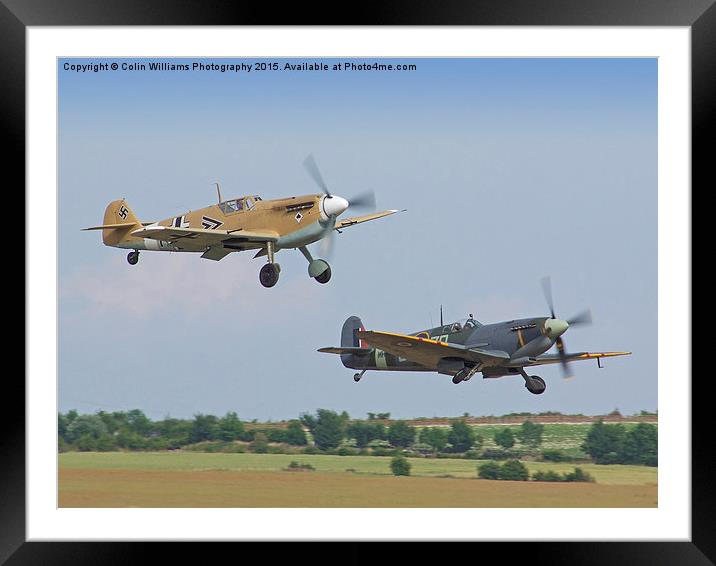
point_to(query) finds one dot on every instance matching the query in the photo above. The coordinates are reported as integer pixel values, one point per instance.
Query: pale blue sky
(510, 169)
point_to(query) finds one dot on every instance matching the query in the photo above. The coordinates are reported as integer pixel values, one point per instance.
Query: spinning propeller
(557, 327)
(334, 205)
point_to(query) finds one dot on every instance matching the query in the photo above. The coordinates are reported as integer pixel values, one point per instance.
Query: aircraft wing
(359, 219)
(429, 352)
(201, 236)
(575, 357)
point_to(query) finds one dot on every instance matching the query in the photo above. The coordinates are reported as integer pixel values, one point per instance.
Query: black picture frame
(699, 15)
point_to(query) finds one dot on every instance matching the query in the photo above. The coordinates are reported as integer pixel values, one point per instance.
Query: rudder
(118, 212)
(349, 339)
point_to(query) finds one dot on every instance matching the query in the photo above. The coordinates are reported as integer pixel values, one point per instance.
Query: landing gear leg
(357, 376)
(269, 272)
(318, 269)
(133, 257)
(534, 383)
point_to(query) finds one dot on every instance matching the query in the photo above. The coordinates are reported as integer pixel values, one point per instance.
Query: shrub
(89, 426)
(327, 428)
(400, 466)
(260, 444)
(489, 471)
(505, 438)
(604, 443)
(472, 454)
(230, 427)
(640, 445)
(298, 466)
(295, 434)
(549, 475)
(364, 433)
(346, 451)
(514, 470)
(311, 450)
(434, 437)
(530, 434)
(86, 443)
(401, 434)
(553, 456)
(578, 475)
(105, 443)
(461, 436)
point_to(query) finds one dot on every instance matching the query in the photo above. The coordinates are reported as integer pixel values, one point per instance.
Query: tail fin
(353, 351)
(119, 221)
(349, 339)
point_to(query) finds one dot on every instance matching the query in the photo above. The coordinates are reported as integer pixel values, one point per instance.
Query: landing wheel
(325, 277)
(535, 385)
(133, 257)
(357, 377)
(269, 274)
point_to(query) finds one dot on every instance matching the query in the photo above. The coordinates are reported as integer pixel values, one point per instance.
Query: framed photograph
(523, 142)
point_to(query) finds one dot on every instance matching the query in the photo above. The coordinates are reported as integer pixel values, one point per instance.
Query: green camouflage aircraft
(463, 348)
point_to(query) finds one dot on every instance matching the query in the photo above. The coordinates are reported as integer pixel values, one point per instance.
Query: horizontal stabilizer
(112, 226)
(345, 350)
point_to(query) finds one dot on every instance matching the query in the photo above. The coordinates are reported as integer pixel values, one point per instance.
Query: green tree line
(333, 432)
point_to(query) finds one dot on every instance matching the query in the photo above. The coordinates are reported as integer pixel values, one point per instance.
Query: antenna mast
(218, 191)
(441, 315)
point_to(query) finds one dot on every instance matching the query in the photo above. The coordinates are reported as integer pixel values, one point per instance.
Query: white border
(671, 521)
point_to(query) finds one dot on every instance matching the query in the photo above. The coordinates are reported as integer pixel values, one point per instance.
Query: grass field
(191, 479)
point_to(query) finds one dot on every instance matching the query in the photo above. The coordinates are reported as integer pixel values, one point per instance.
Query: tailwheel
(269, 274)
(356, 377)
(324, 277)
(535, 385)
(133, 257)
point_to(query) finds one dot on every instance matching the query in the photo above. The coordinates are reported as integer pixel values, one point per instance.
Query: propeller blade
(581, 318)
(561, 349)
(364, 200)
(547, 290)
(327, 244)
(312, 168)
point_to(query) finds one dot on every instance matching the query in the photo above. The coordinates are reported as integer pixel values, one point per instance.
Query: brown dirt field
(151, 488)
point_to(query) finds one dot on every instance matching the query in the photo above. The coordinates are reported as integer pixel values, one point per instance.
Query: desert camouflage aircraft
(244, 223)
(463, 348)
